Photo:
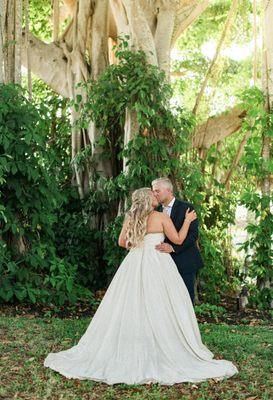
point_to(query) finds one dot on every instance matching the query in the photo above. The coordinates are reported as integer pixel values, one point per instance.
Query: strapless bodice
(152, 239)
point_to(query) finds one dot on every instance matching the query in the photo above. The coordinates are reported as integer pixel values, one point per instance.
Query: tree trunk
(266, 281)
(27, 45)
(2, 18)
(82, 52)
(17, 36)
(10, 42)
(10, 72)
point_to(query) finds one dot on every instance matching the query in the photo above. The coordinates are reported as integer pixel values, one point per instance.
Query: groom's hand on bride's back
(164, 247)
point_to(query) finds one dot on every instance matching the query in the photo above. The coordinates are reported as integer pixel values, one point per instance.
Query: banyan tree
(83, 49)
(83, 35)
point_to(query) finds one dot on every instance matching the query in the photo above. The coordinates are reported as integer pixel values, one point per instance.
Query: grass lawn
(25, 342)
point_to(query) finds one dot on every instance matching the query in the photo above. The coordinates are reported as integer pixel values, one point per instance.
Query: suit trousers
(189, 280)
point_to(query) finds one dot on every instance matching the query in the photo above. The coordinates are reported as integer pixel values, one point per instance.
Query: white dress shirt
(168, 209)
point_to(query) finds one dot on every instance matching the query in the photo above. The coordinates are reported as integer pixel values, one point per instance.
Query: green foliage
(209, 310)
(132, 83)
(260, 123)
(113, 254)
(195, 50)
(28, 193)
(259, 246)
(40, 12)
(55, 109)
(159, 147)
(140, 88)
(47, 232)
(79, 242)
(29, 197)
(135, 85)
(213, 276)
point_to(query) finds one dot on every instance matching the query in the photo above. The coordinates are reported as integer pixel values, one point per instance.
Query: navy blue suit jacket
(186, 256)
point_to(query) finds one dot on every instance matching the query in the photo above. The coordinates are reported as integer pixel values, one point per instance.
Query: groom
(186, 256)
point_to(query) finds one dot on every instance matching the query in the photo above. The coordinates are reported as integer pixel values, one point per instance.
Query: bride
(144, 329)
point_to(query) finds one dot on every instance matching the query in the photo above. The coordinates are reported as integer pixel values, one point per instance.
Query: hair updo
(137, 216)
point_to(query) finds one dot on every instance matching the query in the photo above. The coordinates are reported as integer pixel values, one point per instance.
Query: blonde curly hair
(136, 217)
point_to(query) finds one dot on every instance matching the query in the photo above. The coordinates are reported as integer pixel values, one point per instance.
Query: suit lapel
(174, 207)
(176, 216)
(174, 210)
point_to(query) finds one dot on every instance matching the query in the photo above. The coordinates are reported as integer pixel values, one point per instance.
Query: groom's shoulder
(184, 203)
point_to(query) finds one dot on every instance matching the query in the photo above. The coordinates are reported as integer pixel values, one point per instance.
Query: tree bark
(28, 57)
(17, 37)
(163, 37)
(1, 41)
(48, 63)
(217, 128)
(186, 16)
(82, 52)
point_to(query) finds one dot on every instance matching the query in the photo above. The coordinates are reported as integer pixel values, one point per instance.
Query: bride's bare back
(158, 222)
(155, 222)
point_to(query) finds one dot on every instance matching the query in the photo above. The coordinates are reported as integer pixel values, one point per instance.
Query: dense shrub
(30, 269)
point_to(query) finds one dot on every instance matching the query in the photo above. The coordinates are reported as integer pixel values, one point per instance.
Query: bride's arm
(170, 231)
(122, 235)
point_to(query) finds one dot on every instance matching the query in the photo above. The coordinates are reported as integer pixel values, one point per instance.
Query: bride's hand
(190, 215)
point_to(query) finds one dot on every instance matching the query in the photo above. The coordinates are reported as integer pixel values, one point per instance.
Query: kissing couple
(145, 329)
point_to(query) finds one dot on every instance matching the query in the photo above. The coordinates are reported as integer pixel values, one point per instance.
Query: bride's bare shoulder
(155, 213)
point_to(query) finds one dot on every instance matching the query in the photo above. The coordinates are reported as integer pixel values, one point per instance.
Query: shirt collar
(171, 203)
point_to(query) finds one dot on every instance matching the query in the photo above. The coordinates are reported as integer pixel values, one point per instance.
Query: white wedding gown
(144, 329)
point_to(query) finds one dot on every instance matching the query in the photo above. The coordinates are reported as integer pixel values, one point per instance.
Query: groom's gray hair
(163, 181)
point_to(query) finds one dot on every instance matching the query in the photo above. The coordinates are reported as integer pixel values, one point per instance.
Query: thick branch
(187, 16)
(163, 36)
(141, 30)
(99, 44)
(118, 18)
(217, 128)
(48, 62)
